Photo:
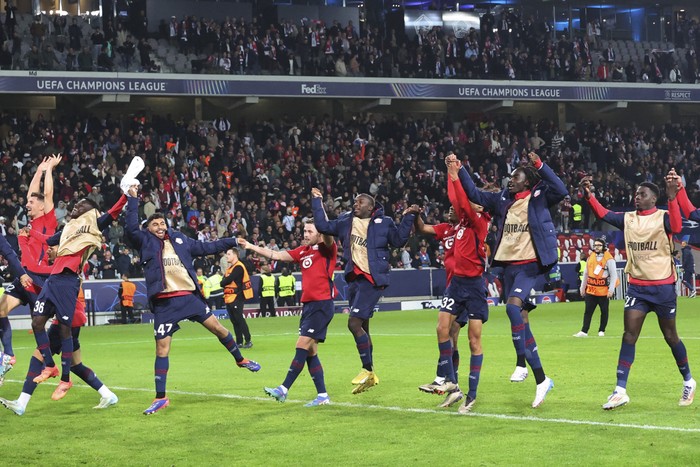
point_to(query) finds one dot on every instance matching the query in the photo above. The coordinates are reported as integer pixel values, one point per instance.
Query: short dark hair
(37, 195)
(154, 216)
(90, 202)
(531, 175)
(653, 187)
(369, 197)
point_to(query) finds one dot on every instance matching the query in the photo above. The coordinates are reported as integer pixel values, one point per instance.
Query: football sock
(316, 372)
(35, 367)
(24, 399)
(517, 328)
(42, 343)
(66, 358)
(86, 374)
(455, 364)
(6, 335)
(624, 364)
(446, 359)
(161, 375)
(365, 351)
(231, 346)
(295, 367)
(532, 356)
(474, 373)
(681, 356)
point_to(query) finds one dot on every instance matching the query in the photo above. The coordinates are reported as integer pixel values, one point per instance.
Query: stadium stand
(194, 44)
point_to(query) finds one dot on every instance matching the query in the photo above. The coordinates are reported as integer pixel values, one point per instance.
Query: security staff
(577, 216)
(237, 289)
(287, 288)
(203, 283)
(127, 291)
(216, 291)
(268, 287)
(598, 286)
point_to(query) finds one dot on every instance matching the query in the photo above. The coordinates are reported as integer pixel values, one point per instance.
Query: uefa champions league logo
(461, 29)
(422, 25)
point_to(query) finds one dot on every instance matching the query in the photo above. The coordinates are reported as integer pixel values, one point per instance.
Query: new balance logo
(311, 331)
(355, 310)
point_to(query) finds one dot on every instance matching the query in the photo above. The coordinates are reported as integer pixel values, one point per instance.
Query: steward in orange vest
(127, 291)
(237, 289)
(598, 286)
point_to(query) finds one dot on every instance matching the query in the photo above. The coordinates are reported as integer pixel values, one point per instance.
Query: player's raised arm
(51, 163)
(398, 235)
(321, 221)
(615, 219)
(556, 189)
(35, 184)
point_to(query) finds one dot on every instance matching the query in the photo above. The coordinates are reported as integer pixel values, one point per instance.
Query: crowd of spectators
(217, 178)
(507, 46)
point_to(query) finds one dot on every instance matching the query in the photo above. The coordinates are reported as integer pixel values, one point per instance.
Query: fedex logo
(315, 89)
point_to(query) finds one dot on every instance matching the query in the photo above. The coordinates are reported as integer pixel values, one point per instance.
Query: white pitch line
(519, 418)
(344, 334)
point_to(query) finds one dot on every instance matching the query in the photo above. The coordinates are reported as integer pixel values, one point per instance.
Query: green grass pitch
(219, 414)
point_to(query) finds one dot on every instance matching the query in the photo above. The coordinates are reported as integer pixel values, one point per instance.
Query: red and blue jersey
(445, 234)
(470, 235)
(317, 266)
(34, 257)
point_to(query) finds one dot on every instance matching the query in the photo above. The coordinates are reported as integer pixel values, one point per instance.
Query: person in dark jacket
(366, 234)
(171, 285)
(688, 265)
(526, 248)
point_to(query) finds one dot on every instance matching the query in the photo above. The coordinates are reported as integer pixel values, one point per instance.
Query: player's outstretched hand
(133, 191)
(412, 209)
(26, 281)
(53, 161)
(534, 158)
(586, 186)
(242, 242)
(674, 176)
(673, 186)
(316, 193)
(450, 159)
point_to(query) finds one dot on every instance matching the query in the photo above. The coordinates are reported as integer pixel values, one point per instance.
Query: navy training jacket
(151, 249)
(545, 194)
(381, 234)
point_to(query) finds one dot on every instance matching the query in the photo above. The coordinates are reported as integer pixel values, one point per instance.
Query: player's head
(83, 206)
(156, 225)
(311, 234)
(363, 206)
(35, 205)
(52, 252)
(522, 179)
(452, 216)
(646, 196)
(232, 256)
(599, 245)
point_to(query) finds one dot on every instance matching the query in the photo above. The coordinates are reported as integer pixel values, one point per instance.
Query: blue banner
(41, 82)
